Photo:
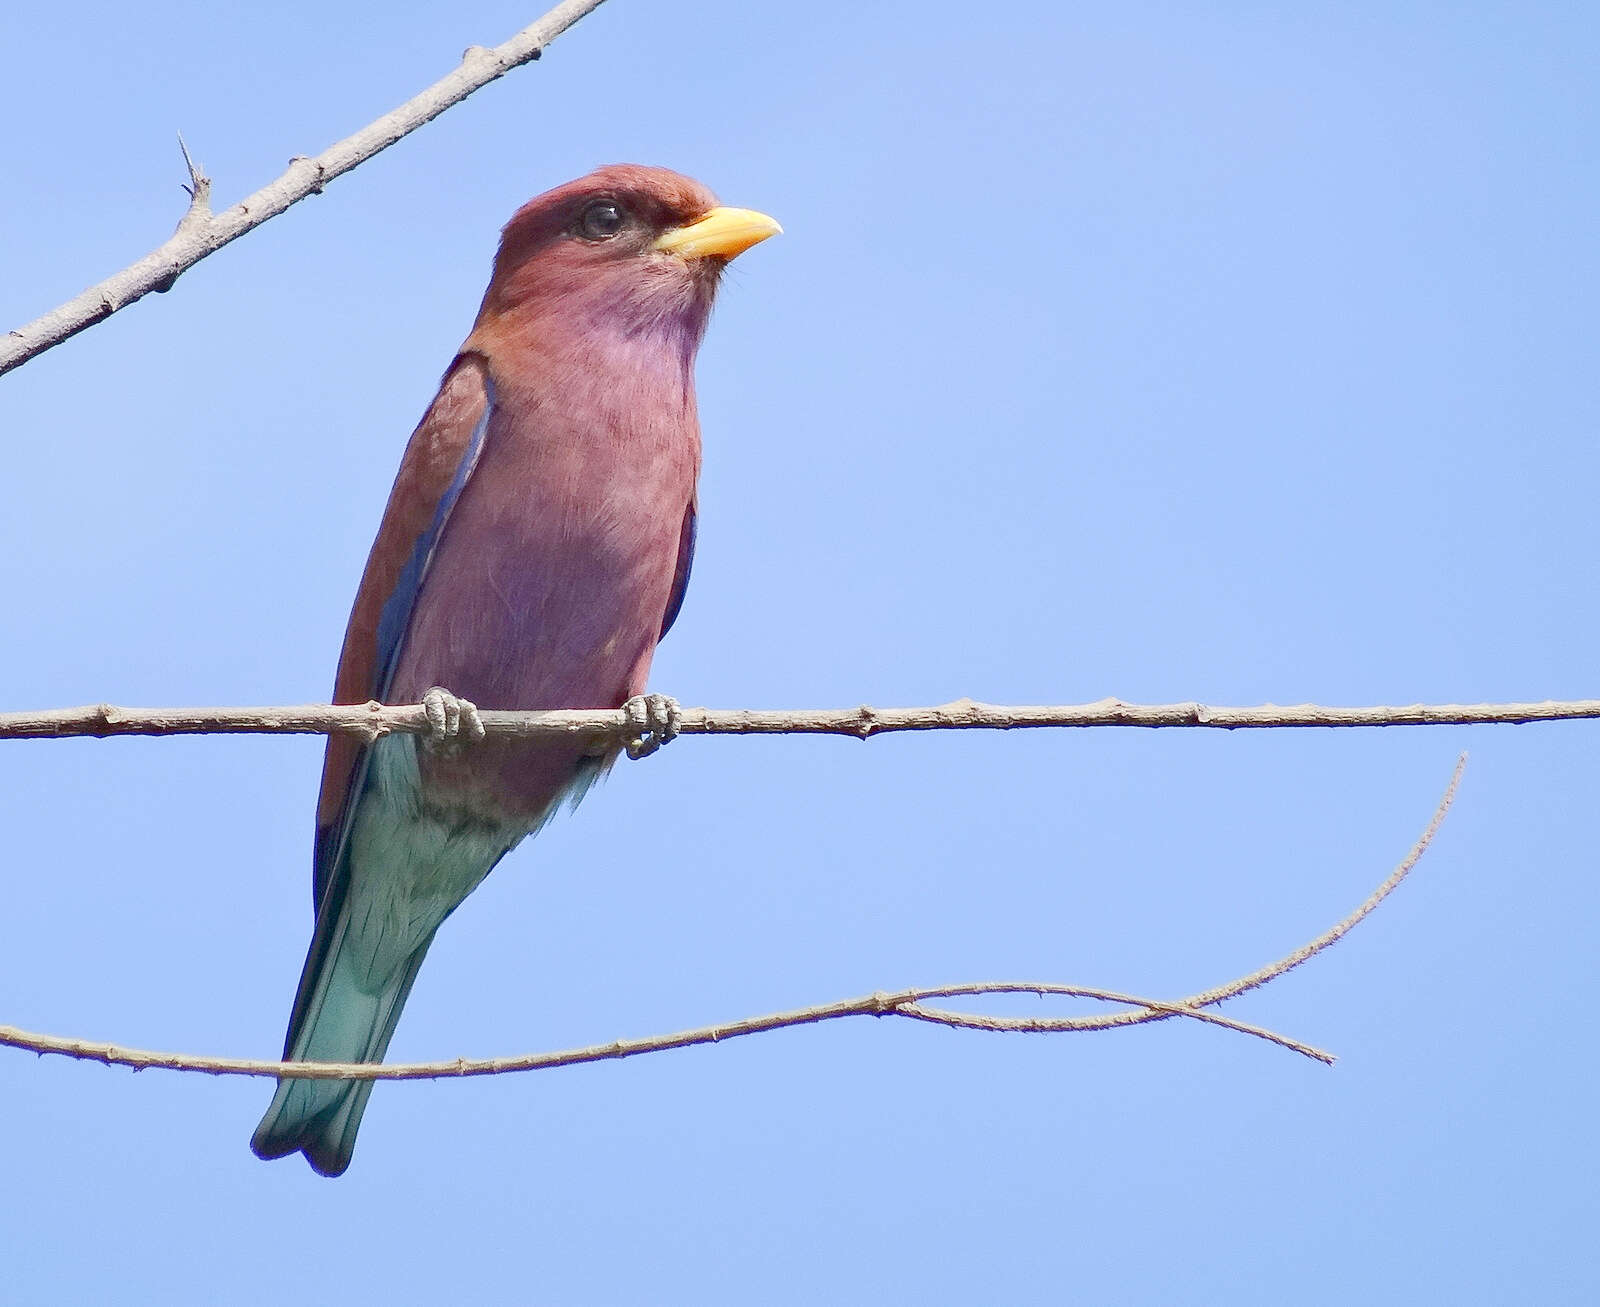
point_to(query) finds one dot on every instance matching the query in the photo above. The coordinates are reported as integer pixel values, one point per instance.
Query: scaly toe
(636, 737)
(666, 717)
(450, 718)
(651, 720)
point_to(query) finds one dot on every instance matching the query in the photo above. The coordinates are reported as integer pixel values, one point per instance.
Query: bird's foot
(651, 721)
(451, 720)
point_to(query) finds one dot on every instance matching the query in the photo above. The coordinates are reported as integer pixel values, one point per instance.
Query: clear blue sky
(1239, 355)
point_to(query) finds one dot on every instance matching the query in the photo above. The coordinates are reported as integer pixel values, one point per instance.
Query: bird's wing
(680, 576)
(438, 462)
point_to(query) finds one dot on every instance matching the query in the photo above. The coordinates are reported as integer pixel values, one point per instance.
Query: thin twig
(372, 720)
(901, 1003)
(904, 1003)
(201, 233)
(1335, 933)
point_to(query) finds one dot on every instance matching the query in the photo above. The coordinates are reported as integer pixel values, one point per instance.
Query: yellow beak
(722, 232)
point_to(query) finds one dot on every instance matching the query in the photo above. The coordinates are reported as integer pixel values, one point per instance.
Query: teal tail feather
(385, 880)
(336, 1019)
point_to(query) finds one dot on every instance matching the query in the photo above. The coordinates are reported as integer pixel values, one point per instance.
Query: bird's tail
(338, 1017)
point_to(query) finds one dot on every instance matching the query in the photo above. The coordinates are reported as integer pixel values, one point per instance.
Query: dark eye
(600, 221)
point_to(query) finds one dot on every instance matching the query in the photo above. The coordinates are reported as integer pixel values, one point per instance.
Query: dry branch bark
(901, 1003)
(201, 232)
(373, 720)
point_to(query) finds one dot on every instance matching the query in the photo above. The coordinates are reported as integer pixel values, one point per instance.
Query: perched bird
(535, 547)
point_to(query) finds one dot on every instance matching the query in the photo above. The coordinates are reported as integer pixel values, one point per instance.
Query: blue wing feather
(395, 617)
(680, 578)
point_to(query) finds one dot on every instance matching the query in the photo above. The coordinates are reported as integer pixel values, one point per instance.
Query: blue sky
(1241, 355)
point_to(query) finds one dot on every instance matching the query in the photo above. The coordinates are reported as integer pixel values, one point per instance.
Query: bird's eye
(600, 221)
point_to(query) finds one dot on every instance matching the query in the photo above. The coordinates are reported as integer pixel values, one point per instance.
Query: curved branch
(903, 1003)
(370, 721)
(201, 232)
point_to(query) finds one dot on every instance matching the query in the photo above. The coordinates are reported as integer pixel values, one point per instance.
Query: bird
(535, 547)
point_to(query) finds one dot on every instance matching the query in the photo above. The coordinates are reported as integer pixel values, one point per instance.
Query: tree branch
(903, 1003)
(371, 721)
(201, 232)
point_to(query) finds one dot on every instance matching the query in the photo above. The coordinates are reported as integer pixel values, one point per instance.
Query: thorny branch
(202, 232)
(904, 1003)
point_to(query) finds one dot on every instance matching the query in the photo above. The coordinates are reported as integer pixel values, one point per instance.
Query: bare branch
(201, 233)
(371, 721)
(903, 1003)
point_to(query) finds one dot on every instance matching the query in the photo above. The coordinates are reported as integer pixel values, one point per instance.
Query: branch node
(197, 215)
(374, 728)
(1113, 708)
(313, 187)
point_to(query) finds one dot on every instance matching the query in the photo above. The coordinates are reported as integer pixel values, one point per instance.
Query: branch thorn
(199, 187)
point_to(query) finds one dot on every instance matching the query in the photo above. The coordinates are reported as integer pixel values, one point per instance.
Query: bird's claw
(651, 720)
(450, 719)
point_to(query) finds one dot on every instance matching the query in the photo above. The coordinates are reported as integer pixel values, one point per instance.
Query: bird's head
(627, 249)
